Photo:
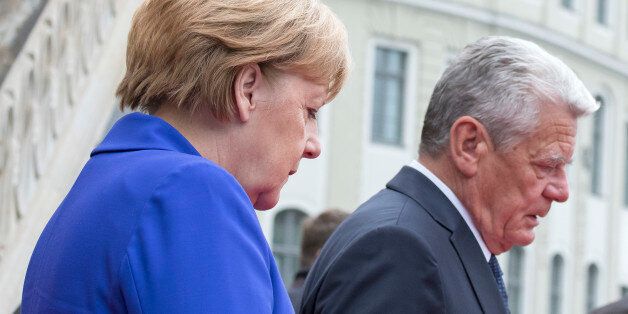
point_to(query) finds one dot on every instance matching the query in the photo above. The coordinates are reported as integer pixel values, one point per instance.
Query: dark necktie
(497, 273)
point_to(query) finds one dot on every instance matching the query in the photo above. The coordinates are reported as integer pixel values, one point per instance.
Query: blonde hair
(188, 52)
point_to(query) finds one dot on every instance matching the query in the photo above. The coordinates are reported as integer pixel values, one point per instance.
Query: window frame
(384, 76)
(409, 94)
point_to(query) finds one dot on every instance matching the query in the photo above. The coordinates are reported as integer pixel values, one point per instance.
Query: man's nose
(558, 190)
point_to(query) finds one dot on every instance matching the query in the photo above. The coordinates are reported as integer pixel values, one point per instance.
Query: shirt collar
(456, 202)
(138, 131)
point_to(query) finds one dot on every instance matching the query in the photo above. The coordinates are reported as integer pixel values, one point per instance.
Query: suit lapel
(477, 269)
(418, 187)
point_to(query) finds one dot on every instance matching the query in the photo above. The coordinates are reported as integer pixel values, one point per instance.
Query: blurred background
(61, 60)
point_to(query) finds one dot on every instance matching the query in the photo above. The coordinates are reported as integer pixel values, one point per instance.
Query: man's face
(517, 186)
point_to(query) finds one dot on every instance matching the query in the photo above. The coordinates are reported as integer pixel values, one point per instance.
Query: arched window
(597, 147)
(592, 279)
(515, 279)
(287, 242)
(602, 13)
(567, 4)
(556, 285)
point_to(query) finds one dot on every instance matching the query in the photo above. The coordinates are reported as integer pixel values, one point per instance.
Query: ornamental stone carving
(40, 94)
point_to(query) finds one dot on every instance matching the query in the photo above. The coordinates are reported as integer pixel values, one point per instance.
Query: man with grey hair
(499, 130)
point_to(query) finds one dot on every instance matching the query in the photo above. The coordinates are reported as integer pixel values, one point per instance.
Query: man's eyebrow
(558, 159)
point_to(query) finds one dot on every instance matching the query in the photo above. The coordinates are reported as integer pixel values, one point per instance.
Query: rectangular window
(567, 4)
(388, 96)
(624, 291)
(602, 12)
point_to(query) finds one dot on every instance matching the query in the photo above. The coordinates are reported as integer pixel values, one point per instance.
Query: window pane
(567, 4)
(556, 285)
(391, 114)
(279, 229)
(602, 12)
(626, 170)
(388, 90)
(286, 242)
(597, 147)
(395, 64)
(592, 278)
(515, 279)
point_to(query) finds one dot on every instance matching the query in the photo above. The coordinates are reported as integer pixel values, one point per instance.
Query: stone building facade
(57, 100)
(579, 259)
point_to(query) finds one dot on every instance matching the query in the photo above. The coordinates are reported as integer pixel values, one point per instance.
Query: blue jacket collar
(138, 131)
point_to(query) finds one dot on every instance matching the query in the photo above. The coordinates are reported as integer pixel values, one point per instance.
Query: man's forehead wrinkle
(563, 127)
(554, 147)
(558, 130)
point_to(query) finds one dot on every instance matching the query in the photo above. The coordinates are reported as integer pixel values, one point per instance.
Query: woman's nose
(312, 147)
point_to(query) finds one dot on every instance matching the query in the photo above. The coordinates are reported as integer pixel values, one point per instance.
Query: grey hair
(502, 82)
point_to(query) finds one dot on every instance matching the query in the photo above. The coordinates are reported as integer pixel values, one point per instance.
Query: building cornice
(495, 19)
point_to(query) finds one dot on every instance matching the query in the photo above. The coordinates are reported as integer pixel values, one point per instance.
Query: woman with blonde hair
(161, 218)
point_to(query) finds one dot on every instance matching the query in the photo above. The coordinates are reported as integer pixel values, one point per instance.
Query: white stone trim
(495, 19)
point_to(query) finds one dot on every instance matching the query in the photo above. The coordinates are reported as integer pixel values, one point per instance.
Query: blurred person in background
(315, 232)
(498, 134)
(161, 219)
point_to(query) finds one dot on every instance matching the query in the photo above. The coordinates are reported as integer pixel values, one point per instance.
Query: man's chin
(526, 239)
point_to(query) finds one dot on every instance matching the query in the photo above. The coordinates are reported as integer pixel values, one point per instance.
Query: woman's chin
(266, 201)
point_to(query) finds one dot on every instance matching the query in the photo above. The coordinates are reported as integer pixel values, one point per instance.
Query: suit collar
(418, 187)
(138, 131)
(462, 210)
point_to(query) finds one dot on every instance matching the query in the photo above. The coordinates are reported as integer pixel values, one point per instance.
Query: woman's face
(282, 130)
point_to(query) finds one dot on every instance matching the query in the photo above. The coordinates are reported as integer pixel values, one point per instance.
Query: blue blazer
(406, 250)
(150, 226)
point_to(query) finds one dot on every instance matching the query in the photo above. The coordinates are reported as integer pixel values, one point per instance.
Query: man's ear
(247, 82)
(469, 142)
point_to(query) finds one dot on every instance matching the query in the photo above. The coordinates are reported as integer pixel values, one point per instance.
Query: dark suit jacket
(406, 250)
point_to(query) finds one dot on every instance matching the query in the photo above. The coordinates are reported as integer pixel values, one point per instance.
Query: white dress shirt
(454, 200)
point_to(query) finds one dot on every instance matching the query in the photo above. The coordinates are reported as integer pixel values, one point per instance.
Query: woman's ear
(468, 144)
(248, 81)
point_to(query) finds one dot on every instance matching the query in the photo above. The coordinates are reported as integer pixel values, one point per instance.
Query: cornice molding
(537, 32)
